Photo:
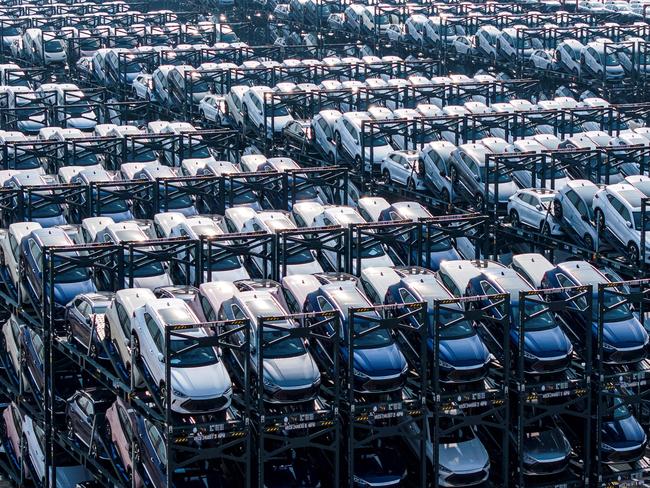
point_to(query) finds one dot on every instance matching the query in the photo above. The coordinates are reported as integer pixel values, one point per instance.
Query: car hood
(230, 275)
(307, 268)
(205, 381)
(81, 123)
(626, 333)
(150, 282)
(467, 351)
(292, 372)
(64, 292)
(547, 343)
(463, 457)
(438, 257)
(506, 190)
(379, 153)
(50, 221)
(623, 433)
(379, 361)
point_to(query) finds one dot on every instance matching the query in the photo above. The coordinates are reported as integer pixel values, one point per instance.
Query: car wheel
(545, 229)
(410, 184)
(600, 221)
(70, 428)
(163, 395)
(386, 177)
(633, 252)
(589, 242)
(453, 175)
(557, 209)
(479, 202)
(337, 141)
(357, 162)
(94, 450)
(514, 218)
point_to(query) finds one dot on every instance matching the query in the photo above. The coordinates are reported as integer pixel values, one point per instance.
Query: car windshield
(41, 209)
(638, 222)
(200, 86)
(191, 356)
(454, 30)
(461, 434)
(53, 46)
(89, 43)
(240, 194)
(621, 412)
(68, 274)
(110, 204)
(367, 252)
(134, 67)
(382, 19)
(376, 338)
(140, 155)
(545, 441)
(277, 110)
(302, 257)
(174, 200)
(289, 347)
(79, 108)
(538, 316)
(229, 37)
(493, 177)
(225, 264)
(376, 141)
(27, 162)
(143, 270)
(9, 31)
(612, 60)
(458, 330)
(198, 151)
(84, 158)
(550, 173)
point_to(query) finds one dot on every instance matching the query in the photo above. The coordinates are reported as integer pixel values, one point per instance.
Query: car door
(616, 220)
(83, 310)
(83, 424)
(398, 170)
(528, 211)
(147, 345)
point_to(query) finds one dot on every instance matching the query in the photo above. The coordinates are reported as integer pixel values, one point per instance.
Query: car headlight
(608, 347)
(179, 393)
(528, 355)
(443, 469)
(444, 364)
(405, 368)
(606, 447)
(529, 459)
(270, 384)
(361, 374)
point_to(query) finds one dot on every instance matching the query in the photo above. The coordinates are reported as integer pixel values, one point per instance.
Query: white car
(199, 380)
(347, 135)
(618, 216)
(143, 87)
(394, 32)
(532, 207)
(212, 108)
(404, 168)
(542, 59)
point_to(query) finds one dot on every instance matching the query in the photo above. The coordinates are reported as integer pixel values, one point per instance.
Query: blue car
(462, 355)
(547, 349)
(625, 340)
(378, 363)
(68, 282)
(623, 440)
(42, 209)
(433, 253)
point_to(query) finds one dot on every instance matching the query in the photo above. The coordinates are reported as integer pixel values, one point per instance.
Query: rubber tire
(410, 185)
(633, 253)
(599, 217)
(557, 209)
(545, 229)
(453, 175)
(514, 219)
(479, 202)
(589, 242)
(386, 177)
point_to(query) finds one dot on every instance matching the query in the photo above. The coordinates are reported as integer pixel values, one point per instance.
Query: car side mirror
(539, 207)
(628, 223)
(161, 357)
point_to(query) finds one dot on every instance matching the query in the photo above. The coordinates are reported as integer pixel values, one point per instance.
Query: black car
(84, 318)
(85, 414)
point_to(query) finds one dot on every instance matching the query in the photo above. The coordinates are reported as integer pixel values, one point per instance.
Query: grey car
(290, 373)
(468, 172)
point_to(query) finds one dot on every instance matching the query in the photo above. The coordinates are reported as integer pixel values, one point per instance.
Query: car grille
(466, 479)
(627, 356)
(383, 385)
(466, 375)
(550, 366)
(208, 405)
(293, 395)
(548, 468)
(624, 456)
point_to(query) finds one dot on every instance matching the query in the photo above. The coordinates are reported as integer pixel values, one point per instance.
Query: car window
(565, 282)
(36, 252)
(449, 284)
(488, 289)
(84, 308)
(38, 346)
(125, 421)
(573, 197)
(85, 405)
(208, 310)
(155, 332)
(406, 296)
(123, 318)
(324, 304)
(237, 312)
(14, 245)
(158, 442)
(291, 301)
(471, 165)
